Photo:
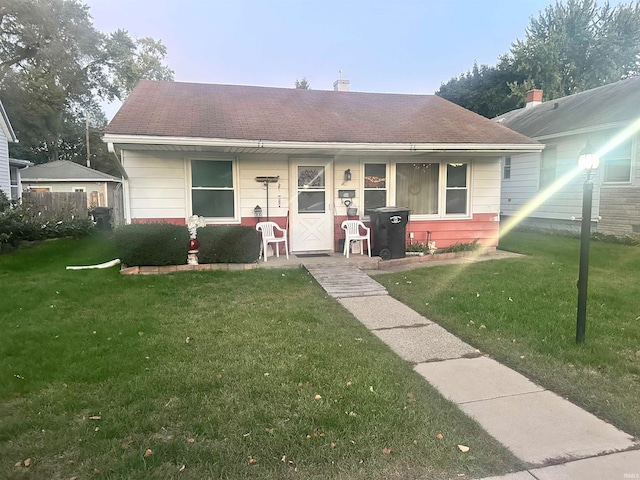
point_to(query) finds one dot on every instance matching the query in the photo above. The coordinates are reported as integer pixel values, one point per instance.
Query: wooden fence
(57, 205)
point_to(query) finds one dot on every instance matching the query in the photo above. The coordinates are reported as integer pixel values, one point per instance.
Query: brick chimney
(534, 97)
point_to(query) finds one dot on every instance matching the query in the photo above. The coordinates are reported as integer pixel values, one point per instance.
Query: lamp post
(587, 161)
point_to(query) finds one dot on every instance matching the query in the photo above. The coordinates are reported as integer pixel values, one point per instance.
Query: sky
(393, 46)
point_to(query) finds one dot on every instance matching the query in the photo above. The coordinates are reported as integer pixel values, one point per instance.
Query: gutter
(258, 144)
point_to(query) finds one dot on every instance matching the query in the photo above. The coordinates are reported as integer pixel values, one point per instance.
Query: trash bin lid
(391, 209)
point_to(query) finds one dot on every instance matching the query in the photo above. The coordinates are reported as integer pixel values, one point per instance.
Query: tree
(569, 48)
(577, 46)
(303, 84)
(55, 66)
(484, 90)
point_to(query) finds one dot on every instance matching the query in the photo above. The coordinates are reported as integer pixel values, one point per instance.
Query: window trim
(375, 161)
(391, 163)
(506, 168)
(605, 164)
(467, 188)
(236, 219)
(555, 167)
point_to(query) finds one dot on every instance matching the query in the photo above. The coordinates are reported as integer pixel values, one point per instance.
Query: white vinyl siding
(157, 185)
(5, 183)
(485, 186)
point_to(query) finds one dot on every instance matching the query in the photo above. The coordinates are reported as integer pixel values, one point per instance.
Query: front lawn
(523, 313)
(254, 374)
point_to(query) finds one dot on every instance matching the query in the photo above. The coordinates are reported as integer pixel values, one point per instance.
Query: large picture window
(617, 164)
(375, 186)
(212, 189)
(417, 187)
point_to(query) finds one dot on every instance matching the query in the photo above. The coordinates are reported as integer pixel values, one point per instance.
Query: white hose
(112, 263)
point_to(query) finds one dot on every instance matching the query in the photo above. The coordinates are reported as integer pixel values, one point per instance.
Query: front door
(311, 220)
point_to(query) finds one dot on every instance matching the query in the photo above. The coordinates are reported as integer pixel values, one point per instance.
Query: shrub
(5, 203)
(228, 244)
(152, 244)
(19, 224)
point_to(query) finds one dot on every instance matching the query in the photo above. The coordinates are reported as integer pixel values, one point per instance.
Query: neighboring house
(15, 165)
(204, 149)
(608, 118)
(65, 176)
(6, 135)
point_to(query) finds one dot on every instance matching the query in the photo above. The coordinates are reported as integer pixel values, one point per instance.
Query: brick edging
(187, 268)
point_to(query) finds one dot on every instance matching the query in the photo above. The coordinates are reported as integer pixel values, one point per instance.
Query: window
(375, 186)
(15, 184)
(506, 171)
(212, 193)
(456, 201)
(617, 164)
(417, 187)
(548, 167)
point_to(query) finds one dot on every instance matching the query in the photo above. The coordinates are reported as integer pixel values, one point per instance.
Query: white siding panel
(156, 184)
(253, 193)
(485, 186)
(5, 183)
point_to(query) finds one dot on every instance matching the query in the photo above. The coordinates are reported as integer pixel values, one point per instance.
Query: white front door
(311, 219)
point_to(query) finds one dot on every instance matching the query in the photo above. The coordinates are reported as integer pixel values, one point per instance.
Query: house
(307, 158)
(64, 176)
(607, 118)
(6, 135)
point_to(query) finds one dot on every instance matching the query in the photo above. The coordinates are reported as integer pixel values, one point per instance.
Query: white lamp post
(587, 161)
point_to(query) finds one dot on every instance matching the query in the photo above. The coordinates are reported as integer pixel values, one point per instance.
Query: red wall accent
(482, 227)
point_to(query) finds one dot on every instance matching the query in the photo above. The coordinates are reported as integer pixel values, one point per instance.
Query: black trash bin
(102, 217)
(389, 229)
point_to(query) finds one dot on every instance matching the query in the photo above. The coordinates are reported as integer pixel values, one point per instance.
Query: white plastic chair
(352, 231)
(268, 232)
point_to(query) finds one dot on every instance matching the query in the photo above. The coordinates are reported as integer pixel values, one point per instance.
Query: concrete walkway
(556, 438)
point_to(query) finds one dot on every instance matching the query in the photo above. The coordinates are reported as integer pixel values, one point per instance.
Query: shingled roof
(597, 108)
(63, 170)
(173, 109)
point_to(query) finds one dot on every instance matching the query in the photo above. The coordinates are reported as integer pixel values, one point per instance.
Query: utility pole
(87, 132)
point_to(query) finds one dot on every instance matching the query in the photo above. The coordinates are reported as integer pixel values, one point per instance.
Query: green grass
(523, 313)
(208, 370)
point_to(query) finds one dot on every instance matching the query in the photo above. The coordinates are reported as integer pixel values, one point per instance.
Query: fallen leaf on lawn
(218, 376)
(463, 448)
(252, 461)
(18, 464)
(387, 451)
(317, 397)
(96, 429)
(182, 468)
(332, 445)
(269, 430)
(638, 353)
(439, 436)
(370, 388)
(187, 340)
(415, 442)
(95, 417)
(148, 452)
(73, 478)
(349, 384)
(96, 471)
(27, 462)
(309, 384)
(191, 440)
(483, 326)
(521, 356)
(353, 414)
(283, 459)
(411, 397)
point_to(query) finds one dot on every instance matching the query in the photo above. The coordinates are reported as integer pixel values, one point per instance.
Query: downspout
(125, 184)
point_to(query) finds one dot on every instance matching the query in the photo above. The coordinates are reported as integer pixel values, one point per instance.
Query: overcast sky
(401, 46)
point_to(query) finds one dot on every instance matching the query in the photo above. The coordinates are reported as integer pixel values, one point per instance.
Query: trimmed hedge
(228, 244)
(152, 244)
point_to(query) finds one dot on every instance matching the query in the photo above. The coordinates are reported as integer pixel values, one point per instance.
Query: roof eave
(88, 180)
(355, 146)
